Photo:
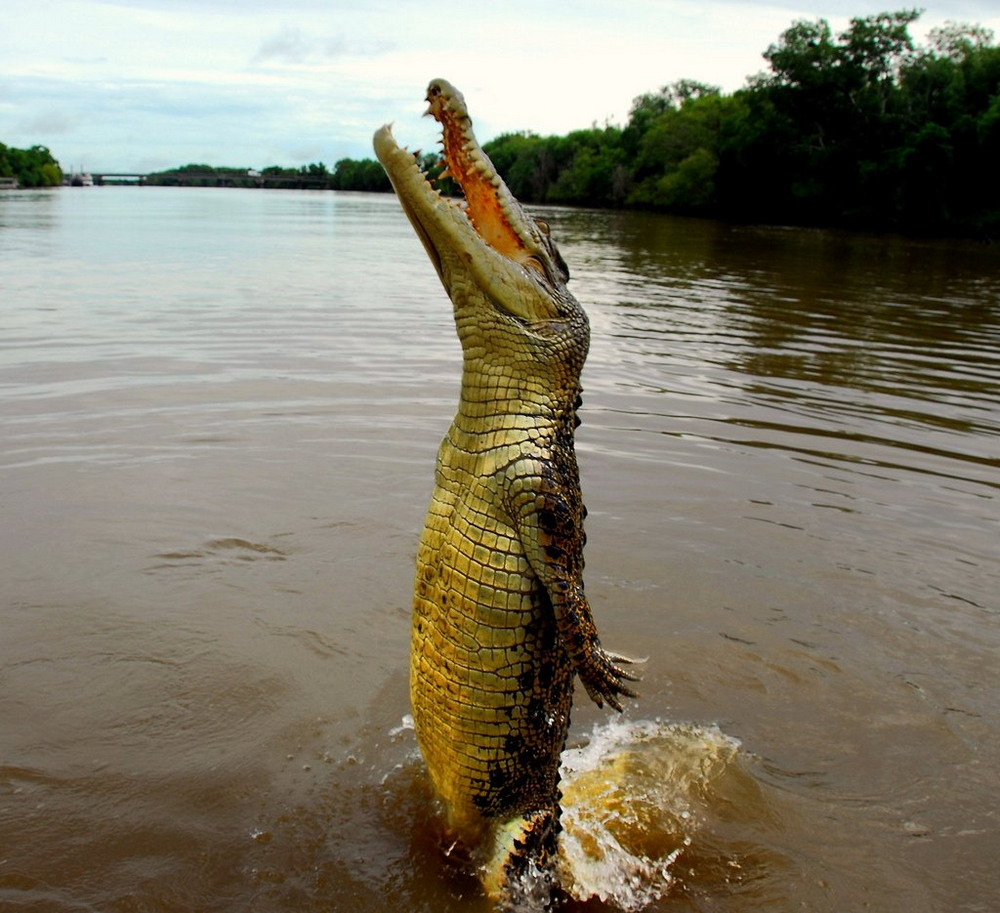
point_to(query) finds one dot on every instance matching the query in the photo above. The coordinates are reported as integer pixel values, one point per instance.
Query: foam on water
(633, 798)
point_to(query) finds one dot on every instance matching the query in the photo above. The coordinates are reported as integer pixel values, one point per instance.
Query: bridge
(119, 178)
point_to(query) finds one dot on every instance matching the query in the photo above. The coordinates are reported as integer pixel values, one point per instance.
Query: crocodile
(501, 626)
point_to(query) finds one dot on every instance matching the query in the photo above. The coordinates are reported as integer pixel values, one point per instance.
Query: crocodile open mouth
(489, 209)
(489, 205)
(488, 235)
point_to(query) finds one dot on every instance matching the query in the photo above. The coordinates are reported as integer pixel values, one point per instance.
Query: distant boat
(83, 179)
(8, 183)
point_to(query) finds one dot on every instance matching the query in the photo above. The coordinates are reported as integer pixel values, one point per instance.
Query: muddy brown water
(219, 411)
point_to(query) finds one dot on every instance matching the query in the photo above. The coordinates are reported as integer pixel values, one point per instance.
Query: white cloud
(291, 45)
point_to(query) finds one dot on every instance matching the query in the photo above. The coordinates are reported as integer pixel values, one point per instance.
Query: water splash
(633, 798)
(406, 724)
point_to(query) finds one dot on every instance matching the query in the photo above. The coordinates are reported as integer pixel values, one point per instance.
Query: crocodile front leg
(543, 501)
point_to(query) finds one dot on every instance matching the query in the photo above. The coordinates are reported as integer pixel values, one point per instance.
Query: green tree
(676, 136)
(825, 127)
(593, 172)
(947, 164)
(34, 167)
(957, 41)
(363, 174)
(584, 168)
(529, 164)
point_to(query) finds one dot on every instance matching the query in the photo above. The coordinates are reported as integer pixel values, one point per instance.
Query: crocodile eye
(543, 227)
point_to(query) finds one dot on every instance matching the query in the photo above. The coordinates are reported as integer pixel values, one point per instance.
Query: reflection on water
(218, 422)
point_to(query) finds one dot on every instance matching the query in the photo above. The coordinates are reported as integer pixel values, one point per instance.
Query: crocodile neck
(491, 413)
(518, 388)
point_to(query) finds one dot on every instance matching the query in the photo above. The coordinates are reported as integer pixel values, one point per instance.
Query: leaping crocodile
(501, 625)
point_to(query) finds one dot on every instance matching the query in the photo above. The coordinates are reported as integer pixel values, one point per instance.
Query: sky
(144, 85)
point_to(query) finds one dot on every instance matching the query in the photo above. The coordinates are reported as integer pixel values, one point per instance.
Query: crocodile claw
(604, 678)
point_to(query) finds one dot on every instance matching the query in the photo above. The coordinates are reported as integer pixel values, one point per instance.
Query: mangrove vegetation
(34, 167)
(348, 174)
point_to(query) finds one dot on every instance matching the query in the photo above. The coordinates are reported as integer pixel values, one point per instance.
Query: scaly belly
(490, 685)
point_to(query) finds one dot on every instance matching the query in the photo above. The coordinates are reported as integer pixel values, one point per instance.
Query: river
(219, 411)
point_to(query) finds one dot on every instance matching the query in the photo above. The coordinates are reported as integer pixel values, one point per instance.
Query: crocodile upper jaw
(490, 239)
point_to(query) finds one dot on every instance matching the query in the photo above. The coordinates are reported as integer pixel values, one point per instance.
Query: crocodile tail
(519, 874)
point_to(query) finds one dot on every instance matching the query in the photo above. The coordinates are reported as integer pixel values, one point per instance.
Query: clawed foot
(604, 678)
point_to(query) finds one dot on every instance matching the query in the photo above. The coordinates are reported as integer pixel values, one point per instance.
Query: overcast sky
(140, 85)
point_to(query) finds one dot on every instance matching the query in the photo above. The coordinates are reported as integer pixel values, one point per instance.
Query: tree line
(347, 174)
(861, 129)
(34, 167)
